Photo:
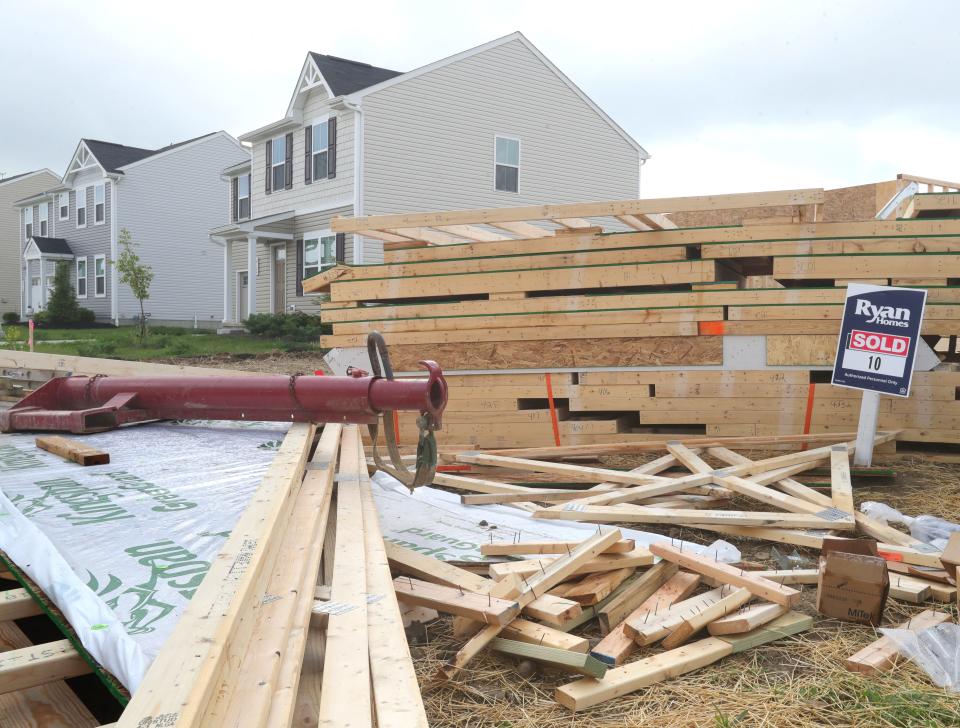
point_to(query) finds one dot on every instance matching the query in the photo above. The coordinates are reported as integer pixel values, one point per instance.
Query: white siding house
(494, 126)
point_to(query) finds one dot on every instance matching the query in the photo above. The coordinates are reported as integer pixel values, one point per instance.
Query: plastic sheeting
(936, 650)
(121, 548)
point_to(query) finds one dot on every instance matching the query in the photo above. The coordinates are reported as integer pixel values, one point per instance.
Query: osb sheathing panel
(648, 351)
(813, 350)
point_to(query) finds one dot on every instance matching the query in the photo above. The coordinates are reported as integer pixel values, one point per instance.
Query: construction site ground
(799, 681)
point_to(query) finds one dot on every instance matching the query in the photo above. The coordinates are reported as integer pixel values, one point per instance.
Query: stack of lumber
(724, 326)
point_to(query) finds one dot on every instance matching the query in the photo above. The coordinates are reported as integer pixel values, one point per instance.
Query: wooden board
(68, 449)
(881, 655)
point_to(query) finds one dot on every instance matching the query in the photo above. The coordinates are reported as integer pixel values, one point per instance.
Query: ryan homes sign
(878, 338)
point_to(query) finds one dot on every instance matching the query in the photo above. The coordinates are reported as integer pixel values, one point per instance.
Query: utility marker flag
(878, 338)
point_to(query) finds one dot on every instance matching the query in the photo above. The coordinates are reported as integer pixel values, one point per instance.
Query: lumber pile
(719, 314)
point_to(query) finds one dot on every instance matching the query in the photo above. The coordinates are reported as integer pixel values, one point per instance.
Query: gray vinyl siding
(429, 140)
(319, 193)
(169, 204)
(90, 241)
(11, 233)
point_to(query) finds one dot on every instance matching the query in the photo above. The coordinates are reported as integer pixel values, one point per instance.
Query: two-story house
(168, 199)
(12, 189)
(494, 126)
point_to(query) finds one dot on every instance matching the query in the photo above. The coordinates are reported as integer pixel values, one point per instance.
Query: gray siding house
(12, 189)
(494, 126)
(168, 199)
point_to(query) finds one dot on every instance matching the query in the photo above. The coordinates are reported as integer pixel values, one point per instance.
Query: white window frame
(81, 194)
(246, 197)
(43, 220)
(504, 164)
(318, 235)
(27, 220)
(61, 204)
(85, 278)
(282, 163)
(102, 190)
(325, 121)
(97, 258)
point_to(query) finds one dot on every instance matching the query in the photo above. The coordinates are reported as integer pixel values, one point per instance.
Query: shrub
(41, 318)
(86, 316)
(180, 347)
(11, 317)
(62, 308)
(297, 326)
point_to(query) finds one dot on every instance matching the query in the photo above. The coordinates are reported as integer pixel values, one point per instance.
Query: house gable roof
(344, 76)
(25, 175)
(51, 246)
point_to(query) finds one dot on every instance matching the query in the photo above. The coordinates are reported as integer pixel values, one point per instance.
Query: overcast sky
(727, 96)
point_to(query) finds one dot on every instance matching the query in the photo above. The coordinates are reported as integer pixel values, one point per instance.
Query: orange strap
(553, 411)
(809, 415)
(396, 425)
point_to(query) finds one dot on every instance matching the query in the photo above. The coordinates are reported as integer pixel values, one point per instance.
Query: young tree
(62, 308)
(135, 274)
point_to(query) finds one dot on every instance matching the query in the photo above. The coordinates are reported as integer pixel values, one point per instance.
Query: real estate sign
(879, 338)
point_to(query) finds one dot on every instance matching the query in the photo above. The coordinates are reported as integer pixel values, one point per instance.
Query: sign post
(876, 351)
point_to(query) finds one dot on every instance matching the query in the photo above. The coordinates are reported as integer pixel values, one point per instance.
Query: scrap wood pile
(531, 309)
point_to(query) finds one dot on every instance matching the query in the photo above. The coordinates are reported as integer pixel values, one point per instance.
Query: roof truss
(310, 79)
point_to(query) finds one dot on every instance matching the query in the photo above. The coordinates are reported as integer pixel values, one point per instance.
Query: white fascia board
(289, 122)
(308, 63)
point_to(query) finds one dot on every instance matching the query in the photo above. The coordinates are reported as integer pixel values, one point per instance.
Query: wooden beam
(523, 229)
(692, 624)
(17, 604)
(758, 586)
(524, 630)
(577, 662)
(552, 575)
(618, 644)
(841, 490)
(266, 679)
(397, 699)
(552, 609)
(587, 692)
(588, 209)
(602, 562)
(654, 627)
(746, 619)
(472, 233)
(68, 449)
(36, 665)
(634, 595)
(480, 608)
(881, 655)
(530, 548)
(595, 588)
(429, 235)
(204, 648)
(407, 561)
(573, 472)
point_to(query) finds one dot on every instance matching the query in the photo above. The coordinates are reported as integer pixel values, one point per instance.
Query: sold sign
(879, 343)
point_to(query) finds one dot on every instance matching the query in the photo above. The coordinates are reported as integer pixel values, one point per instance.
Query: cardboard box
(852, 583)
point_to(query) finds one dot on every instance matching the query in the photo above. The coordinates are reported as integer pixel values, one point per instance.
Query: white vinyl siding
(27, 223)
(99, 204)
(12, 275)
(428, 141)
(81, 194)
(321, 193)
(99, 276)
(63, 205)
(82, 277)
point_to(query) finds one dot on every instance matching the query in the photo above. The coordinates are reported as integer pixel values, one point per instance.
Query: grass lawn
(163, 342)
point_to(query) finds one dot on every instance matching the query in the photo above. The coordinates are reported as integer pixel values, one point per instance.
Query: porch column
(227, 288)
(43, 282)
(252, 274)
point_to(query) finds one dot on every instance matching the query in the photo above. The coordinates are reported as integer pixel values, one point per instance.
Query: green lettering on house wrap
(86, 505)
(13, 458)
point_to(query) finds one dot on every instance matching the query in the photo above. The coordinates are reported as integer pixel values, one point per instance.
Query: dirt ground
(273, 363)
(798, 681)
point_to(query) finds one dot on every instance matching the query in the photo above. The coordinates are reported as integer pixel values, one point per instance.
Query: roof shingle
(344, 76)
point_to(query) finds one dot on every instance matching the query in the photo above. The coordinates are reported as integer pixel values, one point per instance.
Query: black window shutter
(299, 267)
(233, 198)
(341, 248)
(288, 148)
(269, 174)
(307, 156)
(332, 147)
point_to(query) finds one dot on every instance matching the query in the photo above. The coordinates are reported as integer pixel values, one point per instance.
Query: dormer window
(278, 162)
(99, 199)
(44, 211)
(243, 196)
(28, 223)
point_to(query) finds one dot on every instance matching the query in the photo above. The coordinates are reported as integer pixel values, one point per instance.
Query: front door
(279, 279)
(36, 295)
(243, 300)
